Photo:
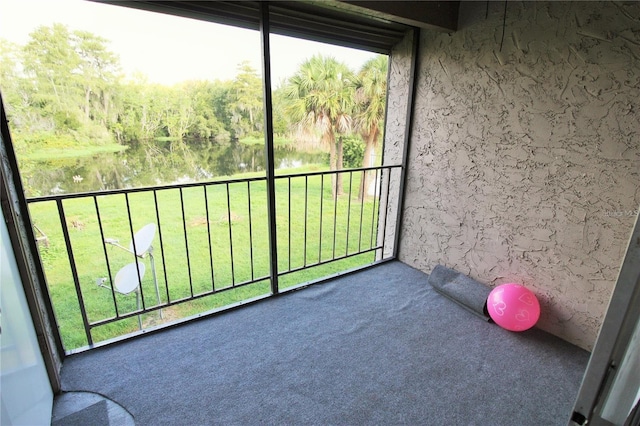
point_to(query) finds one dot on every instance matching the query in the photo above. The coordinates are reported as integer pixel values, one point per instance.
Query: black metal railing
(206, 244)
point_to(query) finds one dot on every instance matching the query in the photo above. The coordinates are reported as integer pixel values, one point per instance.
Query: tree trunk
(105, 107)
(339, 164)
(87, 101)
(332, 167)
(367, 161)
(55, 90)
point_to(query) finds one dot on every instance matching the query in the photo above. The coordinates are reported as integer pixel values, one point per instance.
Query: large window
(103, 97)
(140, 132)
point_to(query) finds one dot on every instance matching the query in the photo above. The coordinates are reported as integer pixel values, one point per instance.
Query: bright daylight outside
(140, 143)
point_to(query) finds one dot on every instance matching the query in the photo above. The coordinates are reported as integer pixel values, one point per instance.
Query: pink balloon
(513, 307)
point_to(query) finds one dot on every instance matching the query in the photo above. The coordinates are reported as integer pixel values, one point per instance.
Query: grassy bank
(277, 140)
(200, 228)
(70, 152)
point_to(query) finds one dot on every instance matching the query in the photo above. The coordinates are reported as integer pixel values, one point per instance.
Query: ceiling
(370, 25)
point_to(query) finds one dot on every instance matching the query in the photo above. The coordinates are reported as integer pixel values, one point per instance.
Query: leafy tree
(50, 58)
(281, 120)
(9, 56)
(9, 59)
(205, 123)
(179, 112)
(321, 95)
(141, 111)
(97, 74)
(353, 150)
(245, 102)
(72, 75)
(16, 90)
(220, 108)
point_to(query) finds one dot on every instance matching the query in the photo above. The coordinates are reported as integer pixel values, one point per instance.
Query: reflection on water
(151, 164)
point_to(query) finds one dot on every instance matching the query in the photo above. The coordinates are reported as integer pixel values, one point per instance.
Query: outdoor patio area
(379, 346)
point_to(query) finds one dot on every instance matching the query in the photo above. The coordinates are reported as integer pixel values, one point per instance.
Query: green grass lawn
(220, 225)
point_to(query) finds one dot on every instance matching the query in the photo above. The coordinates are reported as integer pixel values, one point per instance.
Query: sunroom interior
(513, 127)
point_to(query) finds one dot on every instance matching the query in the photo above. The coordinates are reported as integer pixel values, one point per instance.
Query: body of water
(154, 164)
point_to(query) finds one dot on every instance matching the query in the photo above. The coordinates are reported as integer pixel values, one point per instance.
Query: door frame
(15, 213)
(613, 339)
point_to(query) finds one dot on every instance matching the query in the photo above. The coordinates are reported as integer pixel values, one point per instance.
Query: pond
(155, 164)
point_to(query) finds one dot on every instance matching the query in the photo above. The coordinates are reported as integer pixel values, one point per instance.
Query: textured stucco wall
(525, 162)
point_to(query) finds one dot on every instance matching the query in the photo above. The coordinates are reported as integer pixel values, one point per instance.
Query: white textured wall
(525, 163)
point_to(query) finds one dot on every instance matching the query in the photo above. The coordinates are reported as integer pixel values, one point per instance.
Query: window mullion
(268, 134)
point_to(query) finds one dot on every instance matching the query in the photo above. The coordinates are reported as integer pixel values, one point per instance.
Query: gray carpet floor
(378, 347)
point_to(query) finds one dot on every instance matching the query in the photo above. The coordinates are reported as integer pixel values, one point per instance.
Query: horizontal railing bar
(174, 302)
(335, 275)
(168, 325)
(324, 262)
(328, 172)
(194, 184)
(140, 189)
(222, 309)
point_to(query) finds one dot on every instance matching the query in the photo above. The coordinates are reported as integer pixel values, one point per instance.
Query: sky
(167, 49)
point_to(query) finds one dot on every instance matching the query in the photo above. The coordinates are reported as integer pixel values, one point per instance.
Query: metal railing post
(74, 271)
(268, 129)
(413, 87)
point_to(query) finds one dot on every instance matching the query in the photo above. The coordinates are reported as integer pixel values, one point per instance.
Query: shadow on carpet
(87, 408)
(95, 414)
(377, 347)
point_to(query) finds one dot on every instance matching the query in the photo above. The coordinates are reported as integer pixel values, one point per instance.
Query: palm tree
(370, 98)
(321, 97)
